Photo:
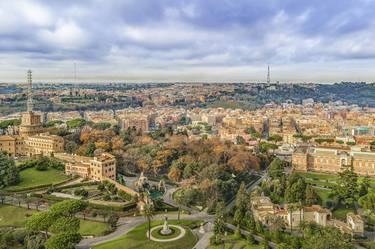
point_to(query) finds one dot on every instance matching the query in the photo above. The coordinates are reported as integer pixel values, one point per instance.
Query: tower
(29, 91)
(268, 75)
(30, 122)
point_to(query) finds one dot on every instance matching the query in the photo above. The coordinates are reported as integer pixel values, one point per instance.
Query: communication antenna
(75, 72)
(29, 91)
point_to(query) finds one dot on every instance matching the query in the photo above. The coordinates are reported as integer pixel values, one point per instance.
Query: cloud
(180, 40)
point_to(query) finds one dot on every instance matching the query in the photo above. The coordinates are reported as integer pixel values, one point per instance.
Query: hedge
(43, 186)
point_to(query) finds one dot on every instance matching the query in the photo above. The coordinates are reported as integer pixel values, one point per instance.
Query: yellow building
(332, 160)
(31, 141)
(30, 124)
(13, 145)
(43, 144)
(99, 168)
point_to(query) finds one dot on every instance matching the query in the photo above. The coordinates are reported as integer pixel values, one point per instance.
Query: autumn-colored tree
(243, 161)
(103, 145)
(174, 174)
(117, 143)
(143, 165)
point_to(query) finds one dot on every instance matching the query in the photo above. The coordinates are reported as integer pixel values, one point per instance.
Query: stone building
(332, 160)
(97, 168)
(43, 144)
(263, 208)
(31, 139)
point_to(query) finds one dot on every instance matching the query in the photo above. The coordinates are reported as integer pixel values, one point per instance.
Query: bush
(81, 192)
(41, 167)
(250, 240)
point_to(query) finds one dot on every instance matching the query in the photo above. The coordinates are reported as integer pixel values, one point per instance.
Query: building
(13, 145)
(99, 168)
(43, 144)
(263, 208)
(103, 167)
(140, 122)
(332, 160)
(31, 139)
(30, 122)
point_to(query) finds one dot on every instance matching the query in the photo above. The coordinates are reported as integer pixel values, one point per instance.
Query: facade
(13, 145)
(43, 144)
(99, 168)
(30, 124)
(139, 122)
(333, 160)
(263, 209)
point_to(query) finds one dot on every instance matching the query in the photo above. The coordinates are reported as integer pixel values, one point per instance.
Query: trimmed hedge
(39, 187)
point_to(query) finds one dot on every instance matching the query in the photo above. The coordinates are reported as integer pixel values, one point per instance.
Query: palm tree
(301, 217)
(178, 199)
(291, 208)
(148, 212)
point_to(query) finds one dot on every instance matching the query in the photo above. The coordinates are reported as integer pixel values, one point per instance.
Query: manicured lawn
(320, 176)
(137, 239)
(13, 216)
(231, 242)
(16, 217)
(88, 227)
(32, 178)
(323, 194)
(175, 233)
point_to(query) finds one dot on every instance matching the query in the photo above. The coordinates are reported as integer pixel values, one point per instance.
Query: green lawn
(137, 239)
(16, 217)
(323, 194)
(32, 178)
(13, 216)
(320, 176)
(232, 243)
(94, 228)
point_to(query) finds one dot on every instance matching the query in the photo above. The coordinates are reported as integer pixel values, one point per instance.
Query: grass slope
(16, 217)
(32, 177)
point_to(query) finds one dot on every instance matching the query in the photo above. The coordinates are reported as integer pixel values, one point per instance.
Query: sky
(188, 40)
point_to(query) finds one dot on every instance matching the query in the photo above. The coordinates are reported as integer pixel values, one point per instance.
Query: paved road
(168, 198)
(249, 188)
(204, 241)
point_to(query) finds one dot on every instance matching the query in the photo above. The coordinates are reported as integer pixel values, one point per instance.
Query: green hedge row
(43, 186)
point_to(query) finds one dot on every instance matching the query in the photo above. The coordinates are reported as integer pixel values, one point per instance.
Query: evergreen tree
(346, 187)
(9, 174)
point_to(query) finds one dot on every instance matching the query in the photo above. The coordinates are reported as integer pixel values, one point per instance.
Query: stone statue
(166, 230)
(201, 229)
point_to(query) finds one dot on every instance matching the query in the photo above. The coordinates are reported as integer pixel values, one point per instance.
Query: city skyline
(189, 41)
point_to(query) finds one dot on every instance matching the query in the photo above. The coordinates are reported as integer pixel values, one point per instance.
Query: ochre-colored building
(97, 168)
(30, 124)
(331, 160)
(43, 144)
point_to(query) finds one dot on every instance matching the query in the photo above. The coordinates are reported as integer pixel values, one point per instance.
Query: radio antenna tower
(29, 91)
(268, 75)
(75, 72)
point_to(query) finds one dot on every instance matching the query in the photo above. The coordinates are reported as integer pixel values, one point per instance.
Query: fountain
(166, 230)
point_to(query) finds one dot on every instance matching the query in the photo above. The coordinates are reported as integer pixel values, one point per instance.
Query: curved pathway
(126, 224)
(182, 234)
